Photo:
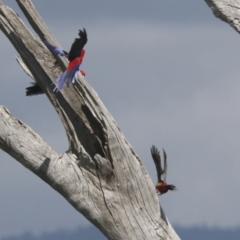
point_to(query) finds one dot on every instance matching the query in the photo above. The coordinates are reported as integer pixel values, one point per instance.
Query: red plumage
(75, 57)
(161, 186)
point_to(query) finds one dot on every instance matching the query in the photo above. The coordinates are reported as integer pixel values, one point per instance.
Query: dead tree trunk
(100, 175)
(227, 11)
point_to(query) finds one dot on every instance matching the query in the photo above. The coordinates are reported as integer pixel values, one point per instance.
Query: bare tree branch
(23, 143)
(227, 11)
(24, 67)
(100, 175)
(39, 26)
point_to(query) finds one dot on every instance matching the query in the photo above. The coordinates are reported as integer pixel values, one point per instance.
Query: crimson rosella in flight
(75, 57)
(161, 186)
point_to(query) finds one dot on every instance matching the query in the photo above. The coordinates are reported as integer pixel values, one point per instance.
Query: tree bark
(227, 11)
(100, 175)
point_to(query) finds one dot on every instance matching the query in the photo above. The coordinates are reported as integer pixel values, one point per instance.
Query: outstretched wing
(78, 45)
(164, 172)
(157, 160)
(55, 49)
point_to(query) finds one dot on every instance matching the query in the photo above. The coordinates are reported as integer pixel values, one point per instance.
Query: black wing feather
(35, 89)
(164, 173)
(78, 45)
(157, 160)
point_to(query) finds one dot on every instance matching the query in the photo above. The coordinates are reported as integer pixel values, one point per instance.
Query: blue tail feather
(67, 77)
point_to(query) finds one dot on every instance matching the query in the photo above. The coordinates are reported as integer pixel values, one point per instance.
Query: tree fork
(99, 175)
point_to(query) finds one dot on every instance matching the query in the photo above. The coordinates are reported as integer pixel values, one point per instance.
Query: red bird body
(76, 61)
(163, 187)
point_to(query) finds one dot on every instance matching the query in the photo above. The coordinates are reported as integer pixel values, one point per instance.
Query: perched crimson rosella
(75, 57)
(161, 186)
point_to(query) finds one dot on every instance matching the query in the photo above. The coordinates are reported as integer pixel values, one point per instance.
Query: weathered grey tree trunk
(227, 11)
(100, 175)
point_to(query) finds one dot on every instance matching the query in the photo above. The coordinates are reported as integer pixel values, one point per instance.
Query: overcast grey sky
(168, 71)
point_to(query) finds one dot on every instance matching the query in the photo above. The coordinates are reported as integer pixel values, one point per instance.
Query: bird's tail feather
(67, 77)
(171, 187)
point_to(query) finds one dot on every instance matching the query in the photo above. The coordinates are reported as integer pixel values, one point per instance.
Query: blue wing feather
(55, 49)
